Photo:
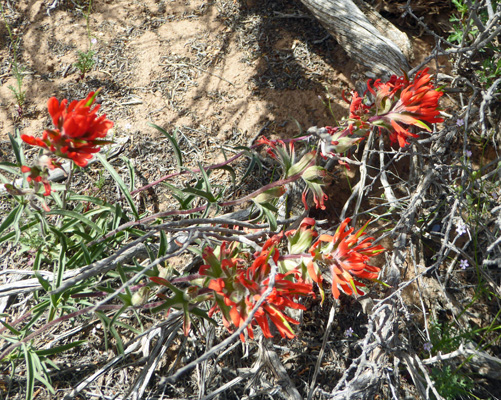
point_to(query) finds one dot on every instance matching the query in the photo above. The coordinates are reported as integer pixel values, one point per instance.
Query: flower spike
(78, 132)
(346, 258)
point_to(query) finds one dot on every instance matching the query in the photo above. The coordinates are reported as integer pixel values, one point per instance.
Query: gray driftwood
(360, 38)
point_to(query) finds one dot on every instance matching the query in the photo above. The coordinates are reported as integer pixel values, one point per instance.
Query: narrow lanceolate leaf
(231, 171)
(12, 219)
(132, 174)
(254, 160)
(201, 193)
(16, 147)
(270, 213)
(59, 349)
(205, 177)
(77, 216)
(41, 373)
(23, 228)
(30, 373)
(10, 168)
(44, 282)
(120, 183)
(10, 328)
(301, 164)
(162, 247)
(173, 142)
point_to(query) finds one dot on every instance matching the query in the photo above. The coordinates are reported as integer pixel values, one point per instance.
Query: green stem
(67, 186)
(88, 24)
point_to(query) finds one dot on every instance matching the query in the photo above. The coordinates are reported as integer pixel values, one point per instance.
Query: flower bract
(238, 286)
(401, 103)
(346, 256)
(78, 132)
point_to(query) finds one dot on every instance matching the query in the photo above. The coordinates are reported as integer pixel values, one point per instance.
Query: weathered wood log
(359, 37)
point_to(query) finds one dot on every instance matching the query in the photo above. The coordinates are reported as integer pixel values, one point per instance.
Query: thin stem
(88, 24)
(68, 184)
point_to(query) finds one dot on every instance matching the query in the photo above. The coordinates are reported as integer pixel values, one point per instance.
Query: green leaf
(58, 200)
(44, 282)
(91, 100)
(203, 314)
(253, 161)
(163, 245)
(422, 125)
(11, 168)
(124, 279)
(30, 373)
(118, 217)
(132, 173)
(93, 200)
(86, 254)
(13, 220)
(17, 147)
(301, 164)
(201, 193)
(270, 215)
(120, 183)
(77, 216)
(114, 332)
(231, 171)
(10, 328)
(173, 142)
(61, 268)
(41, 372)
(205, 177)
(183, 198)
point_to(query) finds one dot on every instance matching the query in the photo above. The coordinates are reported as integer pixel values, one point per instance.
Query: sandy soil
(209, 68)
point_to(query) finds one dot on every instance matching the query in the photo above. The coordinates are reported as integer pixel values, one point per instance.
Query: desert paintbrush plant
(393, 106)
(346, 257)
(249, 278)
(78, 130)
(238, 280)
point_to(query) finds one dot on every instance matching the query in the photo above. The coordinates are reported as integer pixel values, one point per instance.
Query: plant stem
(68, 184)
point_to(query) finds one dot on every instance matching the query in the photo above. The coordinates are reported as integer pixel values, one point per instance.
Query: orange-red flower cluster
(238, 287)
(395, 105)
(401, 103)
(79, 131)
(346, 257)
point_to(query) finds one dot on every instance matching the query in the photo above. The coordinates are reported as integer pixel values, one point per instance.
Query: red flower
(37, 175)
(78, 132)
(238, 288)
(357, 108)
(346, 257)
(417, 103)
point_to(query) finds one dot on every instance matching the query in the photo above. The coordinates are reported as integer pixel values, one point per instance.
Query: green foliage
(85, 62)
(17, 69)
(86, 58)
(450, 383)
(466, 31)
(491, 70)
(19, 93)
